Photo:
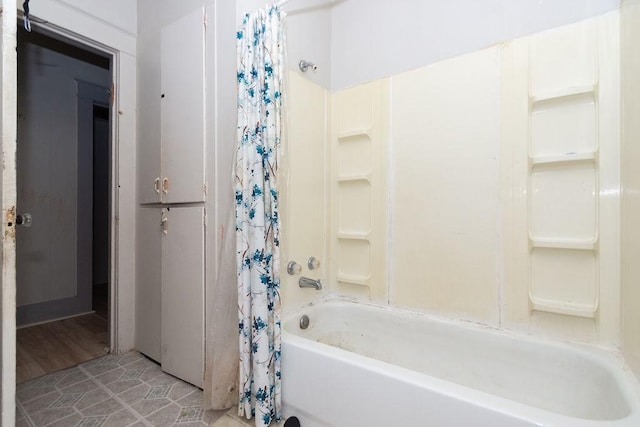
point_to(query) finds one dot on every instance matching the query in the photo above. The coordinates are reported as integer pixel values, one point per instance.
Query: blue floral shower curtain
(260, 73)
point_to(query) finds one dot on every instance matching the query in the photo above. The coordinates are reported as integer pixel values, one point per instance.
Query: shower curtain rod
(283, 2)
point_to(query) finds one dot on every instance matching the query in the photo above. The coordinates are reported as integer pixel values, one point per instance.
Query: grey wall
(47, 172)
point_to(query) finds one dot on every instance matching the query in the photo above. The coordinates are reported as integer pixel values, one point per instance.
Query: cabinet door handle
(165, 185)
(156, 185)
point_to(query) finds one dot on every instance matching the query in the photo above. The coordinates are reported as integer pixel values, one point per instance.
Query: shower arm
(305, 65)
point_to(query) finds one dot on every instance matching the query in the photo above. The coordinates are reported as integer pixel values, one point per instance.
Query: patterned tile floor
(127, 390)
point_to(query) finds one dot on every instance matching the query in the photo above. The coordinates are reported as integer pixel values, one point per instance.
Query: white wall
(117, 13)
(371, 39)
(120, 14)
(111, 23)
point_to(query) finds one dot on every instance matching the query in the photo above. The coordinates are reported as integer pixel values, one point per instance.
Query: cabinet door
(149, 281)
(148, 117)
(182, 109)
(183, 294)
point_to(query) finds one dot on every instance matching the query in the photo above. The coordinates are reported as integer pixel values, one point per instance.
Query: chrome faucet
(305, 282)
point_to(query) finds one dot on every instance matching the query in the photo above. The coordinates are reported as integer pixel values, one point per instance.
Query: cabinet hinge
(205, 221)
(204, 21)
(205, 189)
(164, 223)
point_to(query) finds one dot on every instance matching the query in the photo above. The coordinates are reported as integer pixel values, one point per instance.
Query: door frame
(93, 33)
(9, 131)
(84, 42)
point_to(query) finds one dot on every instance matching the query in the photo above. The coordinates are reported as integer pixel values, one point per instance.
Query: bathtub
(359, 365)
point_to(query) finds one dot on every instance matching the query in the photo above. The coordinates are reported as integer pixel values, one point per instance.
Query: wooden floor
(61, 344)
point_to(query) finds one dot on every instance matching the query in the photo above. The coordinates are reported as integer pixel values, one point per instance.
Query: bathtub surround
(502, 168)
(260, 73)
(441, 201)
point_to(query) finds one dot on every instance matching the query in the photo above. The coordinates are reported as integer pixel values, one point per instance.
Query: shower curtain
(260, 43)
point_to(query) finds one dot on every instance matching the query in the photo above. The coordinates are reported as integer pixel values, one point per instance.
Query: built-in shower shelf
(579, 310)
(362, 177)
(354, 236)
(573, 91)
(354, 134)
(353, 280)
(563, 159)
(584, 245)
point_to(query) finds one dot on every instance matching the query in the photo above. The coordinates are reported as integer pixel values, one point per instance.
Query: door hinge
(10, 221)
(112, 94)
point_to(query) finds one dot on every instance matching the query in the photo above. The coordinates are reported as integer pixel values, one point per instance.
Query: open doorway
(64, 183)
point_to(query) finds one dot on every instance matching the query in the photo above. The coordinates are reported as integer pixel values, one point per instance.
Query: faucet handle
(313, 263)
(293, 268)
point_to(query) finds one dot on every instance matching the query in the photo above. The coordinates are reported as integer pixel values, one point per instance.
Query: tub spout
(306, 282)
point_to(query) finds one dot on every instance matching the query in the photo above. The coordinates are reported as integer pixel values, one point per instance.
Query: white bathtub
(358, 365)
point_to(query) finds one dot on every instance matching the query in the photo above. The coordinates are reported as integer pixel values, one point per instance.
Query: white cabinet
(170, 289)
(172, 169)
(171, 189)
(182, 330)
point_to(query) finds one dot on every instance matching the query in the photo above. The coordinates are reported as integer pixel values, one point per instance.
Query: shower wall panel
(445, 141)
(630, 229)
(563, 211)
(358, 191)
(303, 195)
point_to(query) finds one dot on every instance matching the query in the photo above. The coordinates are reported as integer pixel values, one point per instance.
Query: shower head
(305, 65)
